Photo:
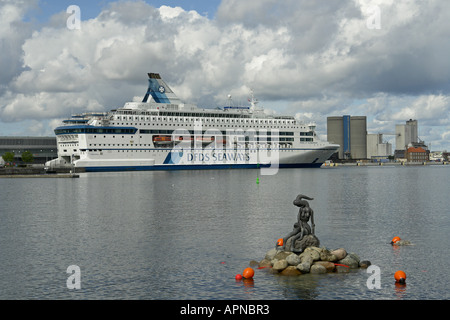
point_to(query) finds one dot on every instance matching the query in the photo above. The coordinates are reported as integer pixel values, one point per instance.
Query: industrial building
(377, 148)
(350, 133)
(42, 148)
(406, 134)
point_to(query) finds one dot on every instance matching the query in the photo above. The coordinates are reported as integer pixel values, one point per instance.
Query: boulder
(280, 265)
(364, 264)
(291, 271)
(293, 259)
(339, 253)
(271, 254)
(349, 261)
(329, 266)
(264, 263)
(317, 268)
(326, 255)
(281, 255)
(305, 263)
(314, 252)
(354, 256)
(304, 267)
(253, 263)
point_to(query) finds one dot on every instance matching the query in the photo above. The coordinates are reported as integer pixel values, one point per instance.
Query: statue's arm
(302, 196)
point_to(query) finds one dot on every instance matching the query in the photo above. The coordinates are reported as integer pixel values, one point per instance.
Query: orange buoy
(280, 242)
(238, 277)
(248, 273)
(395, 239)
(400, 277)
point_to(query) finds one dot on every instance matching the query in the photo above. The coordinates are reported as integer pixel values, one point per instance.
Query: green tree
(8, 157)
(27, 156)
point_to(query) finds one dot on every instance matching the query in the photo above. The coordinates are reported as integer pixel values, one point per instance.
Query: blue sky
(310, 59)
(90, 9)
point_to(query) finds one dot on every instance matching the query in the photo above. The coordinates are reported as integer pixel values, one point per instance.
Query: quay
(38, 172)
(45, 175)
(387, 164)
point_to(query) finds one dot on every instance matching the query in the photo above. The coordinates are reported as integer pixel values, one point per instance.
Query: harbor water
(176, 235)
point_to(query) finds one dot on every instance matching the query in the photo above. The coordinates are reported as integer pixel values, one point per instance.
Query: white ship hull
(168, 159)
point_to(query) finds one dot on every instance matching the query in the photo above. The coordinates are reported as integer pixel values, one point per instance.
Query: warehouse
(42, 148)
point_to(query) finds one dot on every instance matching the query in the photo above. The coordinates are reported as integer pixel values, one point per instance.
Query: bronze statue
(301, 227)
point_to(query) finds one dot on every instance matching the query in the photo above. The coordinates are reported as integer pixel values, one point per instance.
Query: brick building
(416, 154)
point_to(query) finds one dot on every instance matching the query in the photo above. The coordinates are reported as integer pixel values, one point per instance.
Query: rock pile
(311, 260)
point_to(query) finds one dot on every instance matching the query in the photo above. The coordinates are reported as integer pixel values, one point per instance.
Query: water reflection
(400, 291)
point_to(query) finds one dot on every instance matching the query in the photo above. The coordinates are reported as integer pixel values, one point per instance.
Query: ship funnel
(159, 90)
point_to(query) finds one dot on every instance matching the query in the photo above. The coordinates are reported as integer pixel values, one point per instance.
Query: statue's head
(299, 202)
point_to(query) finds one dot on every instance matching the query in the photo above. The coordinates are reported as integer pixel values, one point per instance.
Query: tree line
(26, 157)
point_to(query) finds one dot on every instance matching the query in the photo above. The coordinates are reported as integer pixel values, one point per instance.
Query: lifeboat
(205, 141)
(221, 141)
(161, 140)
(183, 138)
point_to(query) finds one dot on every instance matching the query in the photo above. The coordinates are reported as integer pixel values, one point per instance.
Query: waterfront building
(437, 156)
(376, 148)
(418, 154)
(400, 155)
(446, 155)
(42, 148)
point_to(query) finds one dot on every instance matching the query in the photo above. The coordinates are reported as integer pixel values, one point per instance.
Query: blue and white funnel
(159, 90)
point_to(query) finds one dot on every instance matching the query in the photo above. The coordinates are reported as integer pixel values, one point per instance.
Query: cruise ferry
(163, 133)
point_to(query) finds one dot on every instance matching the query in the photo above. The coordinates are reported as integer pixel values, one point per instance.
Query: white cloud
(13, 31)
(307, 58)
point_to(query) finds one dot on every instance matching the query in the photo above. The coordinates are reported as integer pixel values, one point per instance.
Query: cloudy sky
(386, 59)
